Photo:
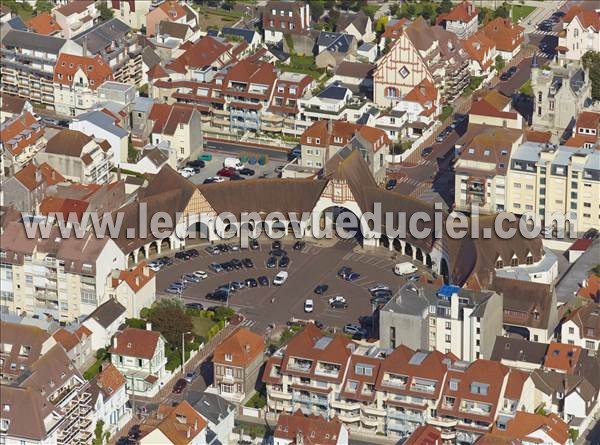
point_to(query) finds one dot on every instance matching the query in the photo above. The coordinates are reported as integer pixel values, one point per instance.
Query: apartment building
(582, 327)
(77, 343)
(482, 53)
(236, 365)
(586, 133)
(507, 36)
(391, 392)
(481, 169)
(580, 33)
(280, 17)
(118, 46)
(494, 109)
(132, 12)
(177, 128)
(139, 354)
(458, 321)
(560, 94)
(76, 17)
(28, 61)
(557, 184)
(462, 20)
(76, 79)
(63, 277)
(46, 385)
(21, 137)
(335, 102)
(421, 52)
(323, 139)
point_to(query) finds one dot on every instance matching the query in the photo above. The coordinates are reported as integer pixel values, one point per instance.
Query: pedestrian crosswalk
(544, 54)
(247, 323)
(539, 32)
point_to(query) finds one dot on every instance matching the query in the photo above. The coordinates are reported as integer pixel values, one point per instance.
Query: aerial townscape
(309, 222)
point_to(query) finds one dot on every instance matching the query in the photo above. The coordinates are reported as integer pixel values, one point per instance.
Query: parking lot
(312, 266)
(213, 166)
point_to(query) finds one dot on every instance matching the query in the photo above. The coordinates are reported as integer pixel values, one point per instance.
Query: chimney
(85, 48)
(422, 90)
(137, 280)
(247, 347)
(115, 342)
(148, 326)
(146, 271)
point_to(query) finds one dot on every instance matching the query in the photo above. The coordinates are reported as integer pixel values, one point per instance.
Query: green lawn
(473, 85)
(302, 64)
(446, 112)
(202, 325)
(520, 12)
(91, 372)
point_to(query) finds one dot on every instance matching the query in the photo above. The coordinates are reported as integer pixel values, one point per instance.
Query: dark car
(591, 234)
(276, 245)
(194, 306)
(382, 294)
(338, 304)
(251, 282)
(278, 252)
(237, 285)
(226, 172)
(223, 247)
(236, 177)
(263, 280)
(345, 270)
(165, 261)
(215, 267)
(212, 250)
(193, 253)
(179, 386)
(219, 295)
(182, 255)
(247, 262)
(228, 266)
(321, 289)
(299, 245)
(254, 245)
(426, 152)
(271, 262)
(197, 163)
(284, 262)
(391, 184)
(380, 300)
(508, 73)
(352, 276)
(246, 171)
(294, 153)
(238, 264)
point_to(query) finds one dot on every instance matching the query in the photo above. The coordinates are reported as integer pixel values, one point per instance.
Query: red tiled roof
(394, 30)
(157, 72)
(484, 108)
(478, 45)
(243, 347)
(172, 9)
(588, 119)
(94, 67)
(313, 428)
(69, 340)
(27, 175)
(579, 140)
(135, 278)
(181, 424)
(425, 435)
(538, 136)
(206, 51)
(581, 244)
(587, 17)
(504, 33)
(562, 356)
(133, 342)
(44, 24)
(341, 133)
(19, 133)
(425, 93)
(463, 12)
(110, 380)
(522, 427)
(167, 117)
(63, 207)
(74, 7)
(591, 289)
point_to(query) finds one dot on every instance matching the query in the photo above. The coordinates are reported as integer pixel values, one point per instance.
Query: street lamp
(183, 351)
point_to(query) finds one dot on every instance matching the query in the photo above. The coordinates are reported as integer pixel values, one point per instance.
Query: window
(228, 357)
(453, 384)
(571, 330)
(539, 96)
(448, 338)
(404, 72)
(448, 325)
(514, 262)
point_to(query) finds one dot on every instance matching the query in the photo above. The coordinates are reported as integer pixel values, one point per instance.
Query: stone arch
(153, 249)
(330, 214)
(397, 244)
(197, 231)
(131, 260)
(385, 241)
(428, 261)
(165, 244)
(444, 270)
(419, 255)
(408, 250)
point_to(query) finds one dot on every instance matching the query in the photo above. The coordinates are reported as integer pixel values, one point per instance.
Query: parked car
(155, 266)
(236, 177)
(237, 285)
(247, 262)
(352, 329)
(309, 306)
(321, 289)
(508, 73)
(215, 267)
(246, 171)
(226, 172)
(339, 305)
(237, 263)
(179, 386)
(391, 184)
(284, 262)
(278, 252)
(263, 280)
(200, 274)
(199, 306)
(196, 163)
(218, 295)
(276, 245)
(299, 245)
(251, 282)
(352, 276)
(382, 293)
(187, 172)
(337, 298)
(190, 376)
(345, 270)
(380, 300)
(182, 255)
(591, 234)
(180, 284)
(426, 152)
(212, 179)
(212, 250)
(165, 261)
(378, 286)
(271, 262)
(191, 278)
(280, 278)
(294, 153)
(173, 290)
(193, 252)
(254, 245)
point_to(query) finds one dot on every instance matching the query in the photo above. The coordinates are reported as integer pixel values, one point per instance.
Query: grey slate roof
(17, 23)
(103, 121)
(102, 35)
(108, 312)
(30, 40)
(518, 349)
(246, 34)
(335, 41)
(333, 91)
(213, 407)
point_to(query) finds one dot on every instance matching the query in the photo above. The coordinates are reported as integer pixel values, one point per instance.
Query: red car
(179, 386)
(227, 172)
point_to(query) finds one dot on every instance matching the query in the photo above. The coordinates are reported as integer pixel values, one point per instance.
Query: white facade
(571, 334)
(113, 411)
(578, 39)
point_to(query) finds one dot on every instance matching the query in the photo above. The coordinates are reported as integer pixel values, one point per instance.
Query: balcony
(443, 422)
(350, 417)
(345, 405)
(280, 395)
(422, 388)
(396, 383)
(406, 416)
(327, 371)
(372, 410)
(300, 365)
(370, 421)
(399, 426)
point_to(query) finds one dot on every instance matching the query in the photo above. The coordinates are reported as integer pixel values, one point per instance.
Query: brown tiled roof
(20, 335)
(538, 136)
(587, 17)
(313, 428)
(588, 119)
(465, 11)
(21, 132)
(493, 146)
(206, 51)
(358, 70)
(425, 435)
(133, 342)
(591, 289)
(44, 24)
(136, 278)
(587, 318)
(12, 104)
(27, 175)
(504, 33)
(562, 357)
(180, 424)
(109, 380)
(524, 425)
(74, 7)
(95, 68)
(360, 21)
(68, 142)
(68, 339)
(521, 311)
(243, 347)
(425, 93)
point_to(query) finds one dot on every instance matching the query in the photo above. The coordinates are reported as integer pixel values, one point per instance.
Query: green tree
(100, 436)
(394, 9)
(317, 7)
(43, 6)
(105, 12)
(380, 24)
(591, 62)
(445, 6)
(499, 63)
(573, 434)
(427, 11)
(408, 11)
(502, 11)
(172, 322)
(329, 4)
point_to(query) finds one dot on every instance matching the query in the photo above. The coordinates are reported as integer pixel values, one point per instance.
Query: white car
(378, 286)
(309, 306)
(353, 329)
(339, 298)
(280, 278)
(187, 172)
(200, 274)
(154, 266)
(217, 179)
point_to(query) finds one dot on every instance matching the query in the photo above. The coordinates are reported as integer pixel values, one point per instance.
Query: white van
(233, 163)
(280, 278)
(404, 268)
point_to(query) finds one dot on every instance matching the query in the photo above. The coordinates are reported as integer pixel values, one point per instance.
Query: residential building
(462, 20)
(134, 288)
(506, 35)
(335, 102)
(458, 321)
(424, 435)
(556, 184)
(421, 52)
(356, 76)
(21, 137)
(367, 52)
(527, 427)
(580, 33)
(45, 24)
(174, 425)
(79, 157)
(76, 17)
(21, 77)
(519, 353)
(236, 365)
(586, 133)
(110, 399)
(76, 79)
(560, 95)
(578, 248)
(77, 344)
(177, 128)
(173, 12)
(219, 415)
(132, 12)
(63, 277)
(26, 189)
(590, 288)
(139, 354)
(300, 428)
(11, 106)
(118, 46)
(281, 17)
(358, 25)
(104, 322)
(481, 169)
(252, 37)
(482, 55)
(323, 139)
(582, 327)
(334, 48)
(495, 109)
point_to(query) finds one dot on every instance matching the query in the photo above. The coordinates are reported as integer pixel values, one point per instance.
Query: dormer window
(499, 263)
(228, 357)
(514, 262)
(529, 259)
